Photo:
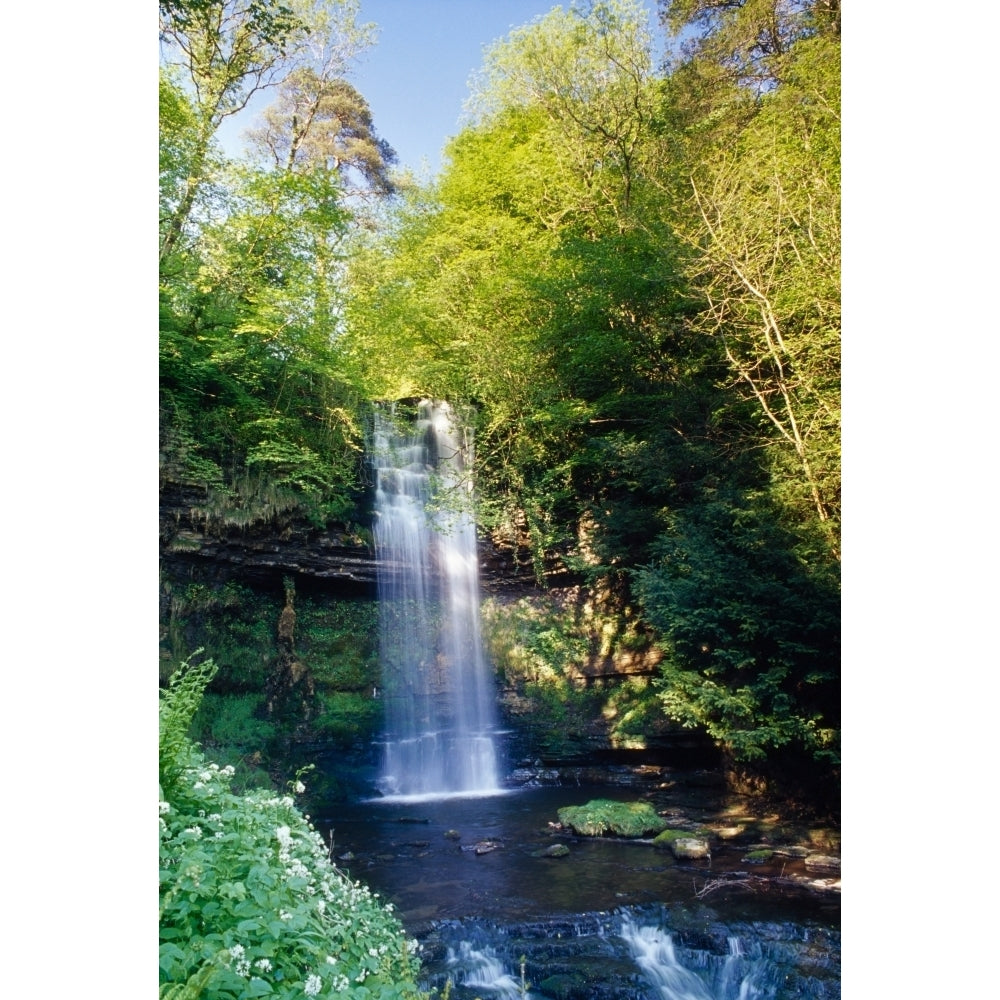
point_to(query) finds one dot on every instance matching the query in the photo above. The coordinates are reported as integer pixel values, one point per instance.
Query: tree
(319, 120)
(328, 124)
(750, 632)
(588, 70)
(230, 49)
(768, 227)
(747, 41)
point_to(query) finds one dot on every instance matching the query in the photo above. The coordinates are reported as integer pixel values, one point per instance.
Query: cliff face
(261, 553)
(337, 558)
(341, 563)
(569, 658)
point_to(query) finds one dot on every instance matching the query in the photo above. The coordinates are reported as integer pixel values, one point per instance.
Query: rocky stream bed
(507, 901)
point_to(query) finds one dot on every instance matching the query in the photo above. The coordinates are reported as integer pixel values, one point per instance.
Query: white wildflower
(330, 960)
(313, 985)
(264, 964)
(284, 835)
(164, 807)
(299, 787)
(285, 915)
(243, 967)
(228, 771)
(198, 784)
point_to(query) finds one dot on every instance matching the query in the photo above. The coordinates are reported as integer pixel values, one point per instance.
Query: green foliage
(233, 721)
(256, 406)
(178, 705)
(602, 816)
(250, 904)
(750, 629)
(348, 717)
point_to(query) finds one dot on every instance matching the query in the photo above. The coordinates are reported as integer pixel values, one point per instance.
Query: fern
(178, 705)
(190, 990)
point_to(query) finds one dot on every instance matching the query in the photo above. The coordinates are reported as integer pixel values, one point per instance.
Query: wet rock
(690, 847)
(664, 841)
(452, 835)
(482, 847)
(552, 851)
(534, 777)
(757, 857)
(347, 856)
(792, 852)
(729, 832)
(602, 816)
(565, 987)
(823, 862)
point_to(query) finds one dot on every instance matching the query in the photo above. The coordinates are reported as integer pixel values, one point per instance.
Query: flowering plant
(250, 903)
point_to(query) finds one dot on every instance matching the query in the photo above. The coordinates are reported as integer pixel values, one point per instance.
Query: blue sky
(415, 78)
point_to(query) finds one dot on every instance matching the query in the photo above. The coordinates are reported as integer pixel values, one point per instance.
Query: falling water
(438, 690)
(637, 953)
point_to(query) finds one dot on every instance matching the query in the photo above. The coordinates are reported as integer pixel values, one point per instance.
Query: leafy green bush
(233, 721)
(250, 903)
(600, 816)
(751, 631)
(347, 715)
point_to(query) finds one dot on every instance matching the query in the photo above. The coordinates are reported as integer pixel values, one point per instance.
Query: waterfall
(437, 686)
(700, 975)
(480, 969)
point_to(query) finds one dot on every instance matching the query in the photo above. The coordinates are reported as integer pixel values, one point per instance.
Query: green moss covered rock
(663, 840)
(602, 816)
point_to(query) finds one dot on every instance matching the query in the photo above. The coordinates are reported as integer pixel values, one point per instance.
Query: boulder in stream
(552, 851)
(601, 816)
(690, 847)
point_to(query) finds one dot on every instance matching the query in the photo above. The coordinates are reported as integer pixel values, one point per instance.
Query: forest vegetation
(628, 269)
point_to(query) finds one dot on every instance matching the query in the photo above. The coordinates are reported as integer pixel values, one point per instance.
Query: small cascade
(639, 953)
(480, 969)
(437, 686)
(653, 951)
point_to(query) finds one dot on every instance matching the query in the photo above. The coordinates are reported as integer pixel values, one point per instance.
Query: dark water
(611, 919)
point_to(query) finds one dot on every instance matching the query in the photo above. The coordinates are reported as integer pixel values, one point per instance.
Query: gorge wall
(288, 611)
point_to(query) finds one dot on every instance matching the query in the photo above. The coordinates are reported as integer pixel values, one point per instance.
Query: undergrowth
(251, 904)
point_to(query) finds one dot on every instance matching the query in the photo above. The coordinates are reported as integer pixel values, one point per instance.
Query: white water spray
(653, 950)
(480, 969)
(437, 686)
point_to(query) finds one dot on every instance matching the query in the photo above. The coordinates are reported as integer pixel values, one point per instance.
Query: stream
(614, 918)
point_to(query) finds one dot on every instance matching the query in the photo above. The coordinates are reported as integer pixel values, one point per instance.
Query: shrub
(233, 720)
(250, 903)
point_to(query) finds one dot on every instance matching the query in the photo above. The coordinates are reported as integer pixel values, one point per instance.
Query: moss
(663, 840)
(600, 816)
